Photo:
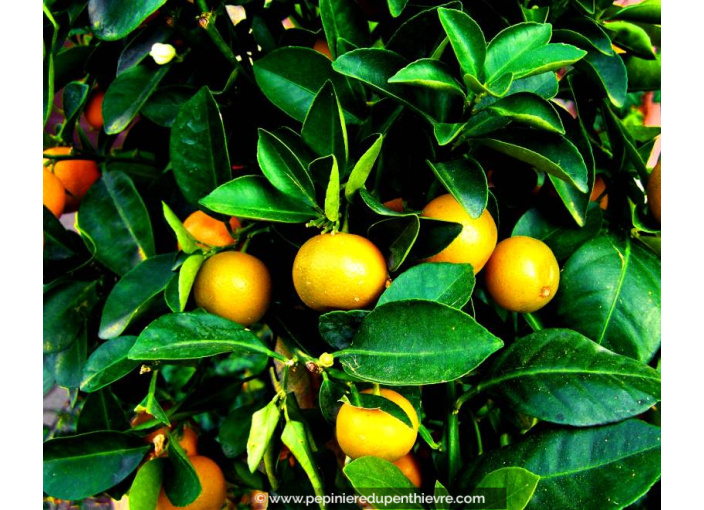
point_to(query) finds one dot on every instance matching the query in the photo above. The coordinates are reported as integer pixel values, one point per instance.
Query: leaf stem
(477, 433)
(356, 401)
(533, 321)
(466, 396)
(454, 455)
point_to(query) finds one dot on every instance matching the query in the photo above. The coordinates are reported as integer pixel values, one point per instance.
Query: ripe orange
(339, 272)
(598, 190)
(234, 285)
(477, 240)
(212, 481)
(321, 46)
(362, 432)
(210, 231)
(54, 193)
(522, 274)
(654, 192)
(186, 437)
(410, 468)
(77, 175)
(94, 110)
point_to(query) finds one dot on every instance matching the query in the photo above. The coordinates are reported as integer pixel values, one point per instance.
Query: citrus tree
(352, 246)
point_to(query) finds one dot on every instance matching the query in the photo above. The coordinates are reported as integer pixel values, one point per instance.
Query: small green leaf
(181, 482)
(343, 19)
(446, 283)
(632, 38)
(68, 364)
(111, 21)
(511, 45)
(264, 423)
(234, 431)
(186, 276)
(108, 363)
(520, 485)
(395, 237)
(466, 181)
(376, 206)
(530, 109)
(379, 403)
(429, 73)
(363, 168)
(295, 436)
(324, 128)
(337, 328)
(644, 12)
(609, 73)
(584, 33)
(498, 88)
(434, 236)
(146, 486)
(184, 237)
(396, 7)
(283, 169)
(332, 193)
(66, 308)
(467, 40)
(101, 411)
(151, 405)
(372, 475)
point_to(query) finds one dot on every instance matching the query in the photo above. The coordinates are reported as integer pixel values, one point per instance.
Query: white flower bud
(162, 53)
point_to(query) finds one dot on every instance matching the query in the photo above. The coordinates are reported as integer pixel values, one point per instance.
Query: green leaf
(363, 168)
(49, 81)
(184, 237)
(59, 243)
(283, 169)
(434, 236)
(337, 328)
(377, 402)
(643, 75)
(253, 197)
(466, 181)
(151, 405)
(292, 88)
(396, 7)
(234, 431)
(629, 451)
(548, 152)
(198, 148)
(343, 19)
(562, 239)
(186, 276)
(467, 41)
(181, 482)
(584, 33)
(332, 193)
(371, 476)
(417, 342)
(194, 335)
(644, 12)
(530, 109)
(74, 97)
(114, 20)
(139, 47)
(479, 124)
(264, 423)
(395, 237)
(331, 391)
(609, 73)
(324, 128)
(610, 292)
(520, 485)
(560, 376)
(68, 364)
(632, 38)
(420, 34)
(79, 466)
(116, 220)
(535, 13)
(586, 5)
(127, 94)
(163, 106)
(67, 305)
(295, 436)
(101, 411)
(441, 492)
(497, 88)
(108, 363)
(450, 284)
(146, 486)
(376, 206)
(429, 73)
(135, 293)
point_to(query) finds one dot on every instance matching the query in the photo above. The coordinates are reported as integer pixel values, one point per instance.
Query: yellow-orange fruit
(321, 46)
(210, 231)
(212, 481)
(410, 468)
(77, 175)
(598, 190)
(94, 110)
(54, 193)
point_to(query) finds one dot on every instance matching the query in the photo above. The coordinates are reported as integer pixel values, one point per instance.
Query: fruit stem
(346, 222)
(452, 439)
(354, 393)
(533, 321)
(377, 389)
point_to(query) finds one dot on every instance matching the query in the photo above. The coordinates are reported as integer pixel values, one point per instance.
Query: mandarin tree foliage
(313, 247)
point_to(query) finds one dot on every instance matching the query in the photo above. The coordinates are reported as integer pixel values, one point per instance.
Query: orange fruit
(410, 468)
(234, 285)
(598, 191)
(395, 205)
(94, 110)
(339, 272)
(186, 437)
(212, 481)
(321, 46)
(209, 230)
(54, 193)
(362, 432)
(477, 240)
(522, 274)
(654, 192)
(77, 175)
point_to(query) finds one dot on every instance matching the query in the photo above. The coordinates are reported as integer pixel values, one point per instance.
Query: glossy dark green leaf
(623, 146)
(443, 282)
(67, 305)
(587, 6)
(111, 20)
(466, 181)
(548, 152)
(631, 37)
(416, 342)
(434, 236)
(645, 12)
(608, 72)
(295, 436)
(628, 451)
(520, 485)
(263, 426)
(535, 14)
(79, 466)
(332, 192)
(467, 41)
(338, 327)
(198, 148)
(150, 404)
(324, 128)
(116, 220)
(101, 411)
(372, 476)
(395, 238)
(253, 197)
(49, 83)
(283, 169)
(59, 243)
(68, 364)
(560, 376)
(127, 94)
(146, 486)
(163, 106)
(186, 276)
(530, 109)
(562, 239)
(135, 293)
(343, 19)
(292, 88)
(193, 335)
(375, 205)
(181, 482)
(234, 431)
(396, 7)
(610, 292)
(74, 97)
(643, 74)
(69, 64)
(544, 85)
(184, 237)
(584, 33)
(363, 167)
(480, 124)
(497, 88)
(377, 402)
(420, 34)
(430, 73)
(141, 44)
